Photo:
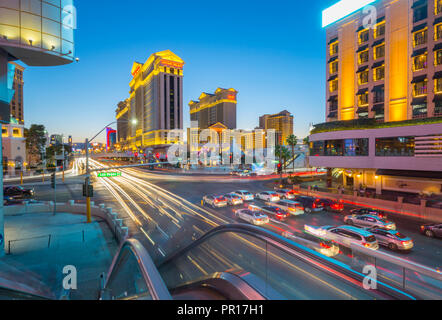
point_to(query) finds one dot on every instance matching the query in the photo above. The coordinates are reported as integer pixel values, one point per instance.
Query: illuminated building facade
(17, 102)
(14, 147)
(282, 123)
(384, 96)
(219, 107)
(155, 103)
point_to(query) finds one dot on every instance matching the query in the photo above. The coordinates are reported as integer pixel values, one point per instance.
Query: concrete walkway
(40, 245)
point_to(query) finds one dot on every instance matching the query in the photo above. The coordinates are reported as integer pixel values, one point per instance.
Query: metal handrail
(236, 287)
(151, 276)
(17, 289)
(432, 273)
(293, 249)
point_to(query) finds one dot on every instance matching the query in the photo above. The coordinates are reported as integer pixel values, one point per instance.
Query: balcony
(366, 124)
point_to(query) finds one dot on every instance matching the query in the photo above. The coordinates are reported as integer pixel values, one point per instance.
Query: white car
(244, 195)
(292, 207)
(344, 235)
(369, 221)
(325, 247)
(256, 218)
(268, 196)
(233, 199)
(285, 193)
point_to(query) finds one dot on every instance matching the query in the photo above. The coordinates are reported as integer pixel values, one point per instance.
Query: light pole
(88, 172)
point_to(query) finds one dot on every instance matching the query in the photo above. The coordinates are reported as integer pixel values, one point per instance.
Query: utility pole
(87, 185)
(54, 186)
(62, 150)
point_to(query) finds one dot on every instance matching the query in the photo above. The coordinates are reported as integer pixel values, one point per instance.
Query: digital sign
(172, 64)
(342, 9)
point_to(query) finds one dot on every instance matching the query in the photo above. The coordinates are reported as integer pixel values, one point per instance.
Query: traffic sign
(108, 174)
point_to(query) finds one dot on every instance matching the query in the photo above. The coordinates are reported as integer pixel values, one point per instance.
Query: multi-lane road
(164, 212)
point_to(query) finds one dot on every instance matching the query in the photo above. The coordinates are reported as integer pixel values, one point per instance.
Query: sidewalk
(41, 245)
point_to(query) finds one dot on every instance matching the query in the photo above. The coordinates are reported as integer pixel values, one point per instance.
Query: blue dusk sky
(272, 52)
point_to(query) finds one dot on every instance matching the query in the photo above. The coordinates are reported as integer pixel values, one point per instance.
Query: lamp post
(88, 173)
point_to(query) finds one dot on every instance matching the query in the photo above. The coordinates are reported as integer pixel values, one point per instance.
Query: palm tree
(292, 141)
(283, 154)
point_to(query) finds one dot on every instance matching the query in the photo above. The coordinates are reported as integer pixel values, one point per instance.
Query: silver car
(369, 221)
(392, 239)
(233, 199)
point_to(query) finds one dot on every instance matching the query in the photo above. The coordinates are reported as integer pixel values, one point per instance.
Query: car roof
(362, 232)
(289, 201)
(370, 216)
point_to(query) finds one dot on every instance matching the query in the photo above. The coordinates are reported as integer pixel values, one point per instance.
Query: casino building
(155, 104)
(214, 108)
(384, 97)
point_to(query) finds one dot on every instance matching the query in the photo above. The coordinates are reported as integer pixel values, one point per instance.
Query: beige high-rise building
(219, 107)
(282, 123)
(17, 102)
(155, 104)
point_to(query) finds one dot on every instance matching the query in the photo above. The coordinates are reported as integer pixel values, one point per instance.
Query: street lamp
(88, 175)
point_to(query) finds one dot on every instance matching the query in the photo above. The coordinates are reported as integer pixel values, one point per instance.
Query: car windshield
(370, 239)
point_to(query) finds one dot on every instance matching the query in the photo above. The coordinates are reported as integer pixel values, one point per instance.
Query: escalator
(238, 262)
(231, 262)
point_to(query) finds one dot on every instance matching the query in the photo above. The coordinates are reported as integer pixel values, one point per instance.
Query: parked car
(344, 235)
(268, 196)
(256, 218)
(369, 221)
(332, 205)
(215, 201)
(310, 204)
(292, 207)
(233, 199)
(432, 230)
(285, 194)
(244, 195)
(271, 211)
(392, 239)
(372, 212)
(18, 192)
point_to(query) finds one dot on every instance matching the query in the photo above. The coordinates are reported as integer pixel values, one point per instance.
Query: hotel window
(379, 73)
(438, 85)
(438, 31)
(420, 13)
(334, 86)
(378, 94)
(334, 104)
(379, 51)
(363, 36)
(363, 99)
(380, 30)
(16, 132)
(437, 7)
(438, 108)
(420, 38)
(334, 48)
(4, 132)
(356, 147)
(420, 88)
(363, 57)
(438, 57)
(334, 67)
(420, 62)
(420, 110)
(363, 77)
(395, 147)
